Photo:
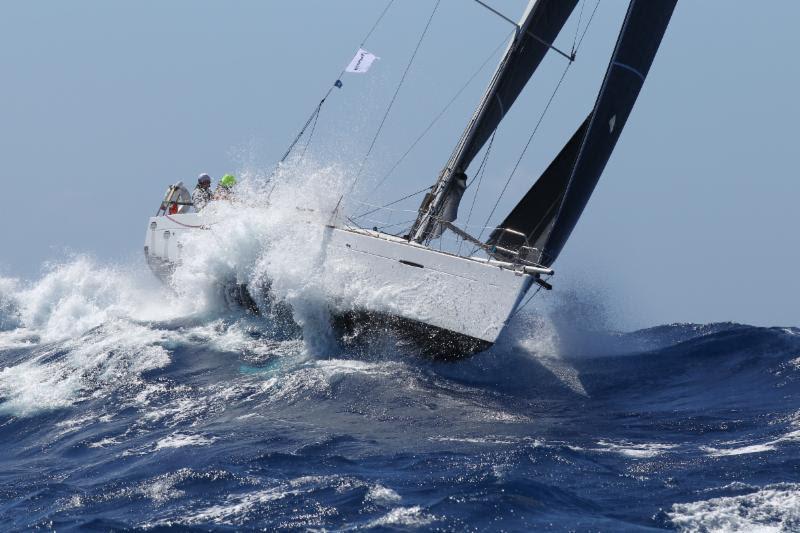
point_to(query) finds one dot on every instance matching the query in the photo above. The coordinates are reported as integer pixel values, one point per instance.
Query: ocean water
(127, 405)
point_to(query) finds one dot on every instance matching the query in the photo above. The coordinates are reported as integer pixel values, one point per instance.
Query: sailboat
(453, 304)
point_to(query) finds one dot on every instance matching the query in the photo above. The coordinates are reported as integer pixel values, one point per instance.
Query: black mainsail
(548, 213)
(541, 23)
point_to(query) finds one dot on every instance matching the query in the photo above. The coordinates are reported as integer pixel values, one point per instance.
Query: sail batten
(575, 172)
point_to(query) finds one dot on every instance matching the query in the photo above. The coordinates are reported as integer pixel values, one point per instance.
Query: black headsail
(541, 23)
(548, 213)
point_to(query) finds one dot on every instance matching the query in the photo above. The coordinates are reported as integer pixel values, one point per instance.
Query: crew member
(223, 191)
(202, 193)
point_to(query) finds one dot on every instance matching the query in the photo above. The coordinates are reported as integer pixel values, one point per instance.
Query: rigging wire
(447, 106)
(310, 134)
(442, 112)
(527, 301)
(394, 202)
(481, 172)
(378, 21)
(578, 26)
(303, 129)
(337, 85)
(570, 57)
(589, 23)
(381, 228)
(527, 144)
(394, 96)
(541, 117)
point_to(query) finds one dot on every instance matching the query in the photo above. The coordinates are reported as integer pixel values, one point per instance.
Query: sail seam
(500, 103)
(629, 68)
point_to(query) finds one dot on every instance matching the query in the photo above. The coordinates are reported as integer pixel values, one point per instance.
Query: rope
(394, 97)
(441, 113)
(202, 226)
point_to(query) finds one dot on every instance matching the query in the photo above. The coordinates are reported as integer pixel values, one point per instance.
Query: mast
(545, 217)
(538, 28)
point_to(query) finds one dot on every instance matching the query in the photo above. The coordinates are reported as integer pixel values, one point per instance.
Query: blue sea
(122, 410)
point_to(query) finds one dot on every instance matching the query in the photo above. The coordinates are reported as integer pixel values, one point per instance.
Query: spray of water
(92, 325)
(271, 240)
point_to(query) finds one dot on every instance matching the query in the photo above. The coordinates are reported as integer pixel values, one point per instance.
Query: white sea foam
(644, 450)
(773, 508)
(81, 324)
(95, 325)
(404, 516)
(542, 340)
(489, 439)
(736, 447)
(179, 440)
(162, 488)
(178, 411)
(740, 450)
(338, 367)
(237, 507)
(279, 245)
(79, 295)
(102, 443)
(17, 339)
(86, 321)
(159, 489)
(9, 306)
(382, 495)
(114, 354)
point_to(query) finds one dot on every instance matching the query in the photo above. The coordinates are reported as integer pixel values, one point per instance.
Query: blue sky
(103, 104)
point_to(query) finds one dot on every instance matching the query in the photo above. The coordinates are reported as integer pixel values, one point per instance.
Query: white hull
(440, 295)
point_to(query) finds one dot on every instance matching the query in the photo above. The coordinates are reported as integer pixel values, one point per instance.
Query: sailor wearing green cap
(223, 191)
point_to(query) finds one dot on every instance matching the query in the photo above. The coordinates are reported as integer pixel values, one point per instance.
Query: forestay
(550, 210)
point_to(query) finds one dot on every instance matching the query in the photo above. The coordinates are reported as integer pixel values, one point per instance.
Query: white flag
(361, 62)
